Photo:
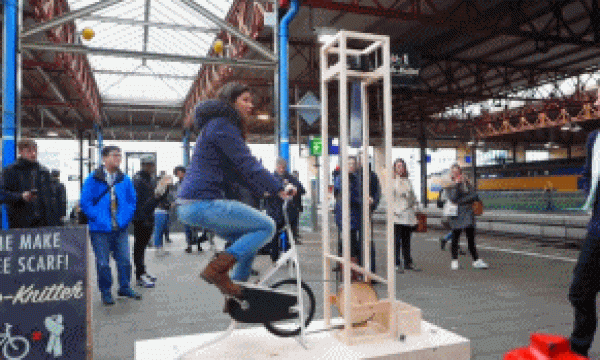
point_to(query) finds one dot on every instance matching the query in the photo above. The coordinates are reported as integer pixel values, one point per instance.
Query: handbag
(477, 207)
(450, 208)
(421, 222)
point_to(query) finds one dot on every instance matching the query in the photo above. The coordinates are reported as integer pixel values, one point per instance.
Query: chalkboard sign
(44, 299)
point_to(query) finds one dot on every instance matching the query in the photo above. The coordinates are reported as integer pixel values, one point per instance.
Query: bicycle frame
(292, 256)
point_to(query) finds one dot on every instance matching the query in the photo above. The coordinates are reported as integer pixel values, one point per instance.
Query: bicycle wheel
(291, 327)
(16, 348)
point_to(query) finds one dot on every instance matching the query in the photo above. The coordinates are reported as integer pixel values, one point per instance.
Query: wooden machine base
(256, 343)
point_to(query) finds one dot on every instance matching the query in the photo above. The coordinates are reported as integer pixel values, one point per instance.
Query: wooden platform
(256, 343)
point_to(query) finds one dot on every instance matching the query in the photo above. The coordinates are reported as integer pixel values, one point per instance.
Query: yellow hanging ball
(88, 34)
(218, 47)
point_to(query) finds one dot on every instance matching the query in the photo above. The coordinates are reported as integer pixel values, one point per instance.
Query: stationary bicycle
(285, 308)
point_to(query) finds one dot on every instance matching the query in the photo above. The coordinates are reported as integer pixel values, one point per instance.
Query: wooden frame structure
(388, 314)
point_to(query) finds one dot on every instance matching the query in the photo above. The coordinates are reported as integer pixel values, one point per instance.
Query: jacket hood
(212, 109)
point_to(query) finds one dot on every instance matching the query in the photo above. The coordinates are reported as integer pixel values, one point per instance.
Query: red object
(544, 347)
(284, 3)
(36, 335)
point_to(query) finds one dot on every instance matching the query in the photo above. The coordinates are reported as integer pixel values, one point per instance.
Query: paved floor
(523, 291)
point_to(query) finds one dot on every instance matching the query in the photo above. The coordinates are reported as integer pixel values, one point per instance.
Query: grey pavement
(524, 291)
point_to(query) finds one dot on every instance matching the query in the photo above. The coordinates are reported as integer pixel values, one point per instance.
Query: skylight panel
(117, 78)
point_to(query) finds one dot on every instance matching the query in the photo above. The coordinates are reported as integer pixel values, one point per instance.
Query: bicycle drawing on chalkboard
(13, 347)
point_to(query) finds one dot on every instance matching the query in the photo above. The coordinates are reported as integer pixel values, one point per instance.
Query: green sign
(316, 146)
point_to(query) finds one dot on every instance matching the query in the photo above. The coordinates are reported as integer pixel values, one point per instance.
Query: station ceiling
(469, 50)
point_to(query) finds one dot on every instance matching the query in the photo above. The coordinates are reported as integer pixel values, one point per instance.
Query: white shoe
(454, 265)
(480, 264)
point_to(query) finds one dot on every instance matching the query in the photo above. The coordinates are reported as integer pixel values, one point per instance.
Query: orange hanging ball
(218, 47)
(87, 33)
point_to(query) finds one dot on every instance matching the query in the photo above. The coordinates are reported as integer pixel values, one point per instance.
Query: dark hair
(26, 144)
(229, 94)
(399, 160)
(231, 91)
(178, 168)
(107, 150)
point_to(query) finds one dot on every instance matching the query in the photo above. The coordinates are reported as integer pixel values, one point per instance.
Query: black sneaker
(443, 243)
(188, 249)
(129, 293)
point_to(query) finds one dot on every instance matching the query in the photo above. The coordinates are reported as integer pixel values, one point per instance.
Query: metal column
(9, 88)
(423, 153)
(186, 148)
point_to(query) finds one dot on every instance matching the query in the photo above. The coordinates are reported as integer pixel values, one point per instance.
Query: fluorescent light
(52, 133)
(263, 117)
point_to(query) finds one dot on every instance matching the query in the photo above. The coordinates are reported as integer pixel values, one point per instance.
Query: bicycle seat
(262, 305)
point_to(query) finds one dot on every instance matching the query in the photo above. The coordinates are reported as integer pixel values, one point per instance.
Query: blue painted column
(284, 96)
(186, 148)
(9, 88)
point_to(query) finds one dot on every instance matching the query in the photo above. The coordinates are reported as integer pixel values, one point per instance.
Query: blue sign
(468, 159)
(43, 297)
(333, 149)
(428, 159)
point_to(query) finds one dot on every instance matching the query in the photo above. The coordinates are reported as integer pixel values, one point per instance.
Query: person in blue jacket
(586, 282)
(108, 201)
(221, 158)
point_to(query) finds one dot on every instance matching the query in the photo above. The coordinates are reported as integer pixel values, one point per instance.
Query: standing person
(58, 194)
(179, 173)
(586, 284)
(548, 195)
(374, 197)
(299, 208)
(356, 245)
(274, 204)
(148, 194)
(161, 216)
(405, 206)
(108, 200)
(26, 185)
(462, 193)
(220, 157)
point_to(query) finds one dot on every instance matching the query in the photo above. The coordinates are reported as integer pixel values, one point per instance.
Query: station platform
(523, 291)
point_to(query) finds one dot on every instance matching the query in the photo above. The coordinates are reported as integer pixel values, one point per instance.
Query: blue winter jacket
(95, 201)
(222, 158)
(594, 223)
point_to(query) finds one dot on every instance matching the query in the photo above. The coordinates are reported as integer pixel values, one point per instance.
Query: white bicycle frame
(289, 257)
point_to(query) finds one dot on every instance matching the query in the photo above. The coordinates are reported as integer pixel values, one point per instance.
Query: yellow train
(562, 175)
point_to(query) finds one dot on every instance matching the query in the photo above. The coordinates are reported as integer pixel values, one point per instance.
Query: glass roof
(135, 80)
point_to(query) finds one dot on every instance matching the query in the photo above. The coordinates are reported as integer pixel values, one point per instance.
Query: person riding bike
(221, 159)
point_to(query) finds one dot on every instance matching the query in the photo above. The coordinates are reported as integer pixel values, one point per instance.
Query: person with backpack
(108, 200)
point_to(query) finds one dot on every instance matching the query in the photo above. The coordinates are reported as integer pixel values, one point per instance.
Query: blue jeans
(188, 234)
(161, 221)
(116, 242)
(582, 294)
(246, 228)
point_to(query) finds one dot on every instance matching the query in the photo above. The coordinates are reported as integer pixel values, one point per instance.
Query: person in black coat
(143, 220)
(274, 204)
(58, 195)
(26, 186)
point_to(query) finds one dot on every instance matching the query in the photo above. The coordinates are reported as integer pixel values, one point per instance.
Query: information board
(44, 302)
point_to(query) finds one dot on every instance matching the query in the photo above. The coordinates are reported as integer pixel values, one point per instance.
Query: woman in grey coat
(462, 193)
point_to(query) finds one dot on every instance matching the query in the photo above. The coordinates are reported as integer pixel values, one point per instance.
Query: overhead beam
(59, 20)
(82, 49)
(146, 29)
(231, 29)
(133, 73)
(158, 25)
(355, 8)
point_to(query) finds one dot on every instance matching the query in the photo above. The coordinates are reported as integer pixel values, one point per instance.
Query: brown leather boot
(217, 273)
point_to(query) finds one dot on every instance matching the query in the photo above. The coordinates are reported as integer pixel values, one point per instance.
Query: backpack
(441, 199)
